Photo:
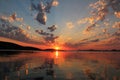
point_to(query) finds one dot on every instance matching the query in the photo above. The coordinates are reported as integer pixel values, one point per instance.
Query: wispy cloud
(70, 25)
(41, 32)
(89, 28)
(116, 25)
(12, 18)
(50, 38)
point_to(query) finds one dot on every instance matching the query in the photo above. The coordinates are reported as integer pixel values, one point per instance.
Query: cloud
(41, 17)
(95, 40)
(70, 25)
(52, 28)
(28, 27)
(55, 3)
(85, 39)
(89, 28)
(99, 11)
(50, 38)
(117, 33)
(117, 14)
(43, 8)
(82, 43)
(104, 30)
(116, 25)
(33, 6)
(112, 41)
(12, 18)
(8, 30)
(41, 32)
(89, 20)
(115, 4)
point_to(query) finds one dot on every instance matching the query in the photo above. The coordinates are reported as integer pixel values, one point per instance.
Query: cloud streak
(12, 18)
(70, 25)
(48, 37)
(52, 28)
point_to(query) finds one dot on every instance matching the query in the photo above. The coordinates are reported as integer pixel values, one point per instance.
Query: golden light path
(56, 54)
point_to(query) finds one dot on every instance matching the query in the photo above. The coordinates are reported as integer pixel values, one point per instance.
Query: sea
(59, 65)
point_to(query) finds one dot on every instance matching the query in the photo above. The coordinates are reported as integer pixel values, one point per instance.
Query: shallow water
(60, 66)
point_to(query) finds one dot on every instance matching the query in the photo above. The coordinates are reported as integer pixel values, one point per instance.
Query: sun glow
(57, 48)
(56, 54)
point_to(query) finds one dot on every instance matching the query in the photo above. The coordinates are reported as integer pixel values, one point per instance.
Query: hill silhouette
(13, 46)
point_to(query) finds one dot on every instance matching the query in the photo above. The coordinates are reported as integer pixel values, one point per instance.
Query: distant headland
(9, 46)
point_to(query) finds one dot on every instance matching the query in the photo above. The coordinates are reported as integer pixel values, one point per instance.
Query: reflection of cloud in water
(65, 65)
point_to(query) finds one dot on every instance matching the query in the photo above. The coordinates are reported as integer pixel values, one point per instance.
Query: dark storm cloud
(52, 28)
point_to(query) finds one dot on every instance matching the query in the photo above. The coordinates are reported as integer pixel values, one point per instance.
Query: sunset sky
(69, 24)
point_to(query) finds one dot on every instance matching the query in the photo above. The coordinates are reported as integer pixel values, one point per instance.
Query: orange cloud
(116, 25)
(55, 3)
(117, 14)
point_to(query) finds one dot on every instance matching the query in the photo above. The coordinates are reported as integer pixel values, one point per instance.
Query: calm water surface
(60, 66)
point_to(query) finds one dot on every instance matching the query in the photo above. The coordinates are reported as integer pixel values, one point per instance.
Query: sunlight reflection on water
(60, 66)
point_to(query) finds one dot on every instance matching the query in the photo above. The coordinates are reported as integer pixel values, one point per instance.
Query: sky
(68, 24)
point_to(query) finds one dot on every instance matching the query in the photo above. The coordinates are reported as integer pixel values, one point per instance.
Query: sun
(57, 48)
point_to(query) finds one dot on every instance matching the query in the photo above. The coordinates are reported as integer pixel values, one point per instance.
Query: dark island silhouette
(13, 46)
(9, 46)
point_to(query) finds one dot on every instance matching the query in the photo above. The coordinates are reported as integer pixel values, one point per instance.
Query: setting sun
(57, 48)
